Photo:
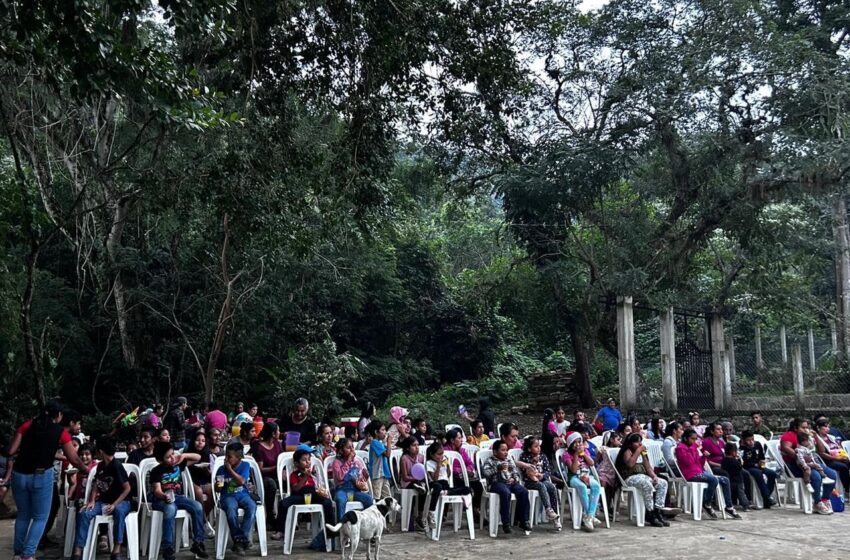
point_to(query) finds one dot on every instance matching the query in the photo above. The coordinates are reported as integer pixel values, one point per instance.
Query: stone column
(730, 352)
(759, 358)
(626, 353)
(668, 360)
(813, 364)
(720, 365)
(799, 388)
(783, 345)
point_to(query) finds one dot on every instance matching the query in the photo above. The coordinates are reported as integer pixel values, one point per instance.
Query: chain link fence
(648, 358)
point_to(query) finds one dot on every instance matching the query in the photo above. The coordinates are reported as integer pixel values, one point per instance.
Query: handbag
(837, 503)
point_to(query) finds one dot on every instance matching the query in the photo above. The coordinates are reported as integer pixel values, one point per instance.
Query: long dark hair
(633, 437)
(548, 415)
(51, 410)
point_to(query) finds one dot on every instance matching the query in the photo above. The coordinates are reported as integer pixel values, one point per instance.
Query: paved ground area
(764, 535)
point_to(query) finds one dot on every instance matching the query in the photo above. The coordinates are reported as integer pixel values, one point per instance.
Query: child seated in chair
(579, 463)
(437, 467)
(806, 459)
(410, 456)
(539, 477)
(752, 452)
(232, 481)
(109, 491)
(350, 478)
(503, 476)
(731, 463)
(303, 482)
(166, 480)
(77, 488)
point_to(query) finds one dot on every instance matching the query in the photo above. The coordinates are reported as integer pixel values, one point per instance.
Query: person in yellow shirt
(477, 434)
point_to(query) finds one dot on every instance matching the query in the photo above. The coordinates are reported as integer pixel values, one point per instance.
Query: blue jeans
(822, 491)
(85, 517)
(589, 496)
(504, 491)
(341, 497)
(33, 496)
(230, 504)
(169, 511)
(713, 481)
(766, 488)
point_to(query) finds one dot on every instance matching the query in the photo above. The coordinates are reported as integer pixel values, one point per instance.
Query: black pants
(440, 486)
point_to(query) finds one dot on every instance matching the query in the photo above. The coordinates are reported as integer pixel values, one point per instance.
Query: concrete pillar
(799, 387)
(813, 364)
(783, 345)
(626, 353)
(668, 360)
(730, 352)
(720, 365)
(834, 335)
(759, 359)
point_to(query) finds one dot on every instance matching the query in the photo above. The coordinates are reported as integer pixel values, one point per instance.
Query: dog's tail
(350, 518)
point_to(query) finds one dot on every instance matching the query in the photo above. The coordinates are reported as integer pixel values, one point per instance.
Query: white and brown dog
(367, 525)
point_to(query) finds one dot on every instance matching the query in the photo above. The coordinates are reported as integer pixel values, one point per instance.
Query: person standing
(177, 424)
(34, 447)
(609, 416)
(299, 421)
(215, 418)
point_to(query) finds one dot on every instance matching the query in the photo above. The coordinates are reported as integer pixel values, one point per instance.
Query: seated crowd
(335, 466)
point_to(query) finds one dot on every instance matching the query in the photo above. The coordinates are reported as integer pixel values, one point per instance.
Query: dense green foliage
(372, 200)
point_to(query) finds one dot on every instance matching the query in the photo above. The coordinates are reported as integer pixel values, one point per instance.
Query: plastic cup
(351, 496)
(308, 499)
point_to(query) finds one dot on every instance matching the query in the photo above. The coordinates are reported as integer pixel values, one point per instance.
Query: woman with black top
(33, 448)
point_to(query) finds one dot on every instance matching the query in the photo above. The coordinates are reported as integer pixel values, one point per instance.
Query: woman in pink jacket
(691, 462)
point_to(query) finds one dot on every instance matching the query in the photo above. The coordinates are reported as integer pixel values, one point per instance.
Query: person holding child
(831, 452)
(579, 463)
(504, 479)
(109, 491)
(350, 478)
(734, 469)
(788, 444)
(691, 461)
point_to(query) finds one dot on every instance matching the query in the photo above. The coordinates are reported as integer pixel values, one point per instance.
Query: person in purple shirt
(215, 418)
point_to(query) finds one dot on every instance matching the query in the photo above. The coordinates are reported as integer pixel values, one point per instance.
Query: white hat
(572, 438)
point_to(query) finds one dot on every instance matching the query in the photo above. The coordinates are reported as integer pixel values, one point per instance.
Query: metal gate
(694, 375)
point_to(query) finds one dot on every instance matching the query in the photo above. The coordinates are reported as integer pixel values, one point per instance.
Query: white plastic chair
(570, 498)
(471, 450)
(70, 520)
(151, 519)
(636, 504)
(487, 444)
(132, 520)
(596, 440)
(90, 546)
(456, 502)
(406, 496)
(222, 532)
(690, 494)
(281, 473)
(792, 483)
(349, 506)
(533, 495)
(491, 498)
(316, 511)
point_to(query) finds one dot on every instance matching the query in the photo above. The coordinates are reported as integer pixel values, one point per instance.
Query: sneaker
(587, 524)
(557, 523)
(670, 512)
(209, 531)
(551, 514)
(168, 553)
(248, 545)
(810, 488)
(238, 548)
(731, 511)
(709, 511)
(506, 529)
(526, 527)
(827, 480)
(828, 505)
(420, 523)
(821, 508)
(199, 550)
(276, 536)
(103, 544)
(432, 519)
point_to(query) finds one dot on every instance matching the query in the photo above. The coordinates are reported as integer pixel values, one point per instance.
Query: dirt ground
(763, 535)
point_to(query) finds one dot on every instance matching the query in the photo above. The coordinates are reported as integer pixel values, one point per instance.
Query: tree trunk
(842, 259)
(33, 355)
(121, 209)
(224, 316)
(583, 351)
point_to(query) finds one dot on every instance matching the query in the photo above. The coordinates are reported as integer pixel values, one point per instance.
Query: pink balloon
(418, 471)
